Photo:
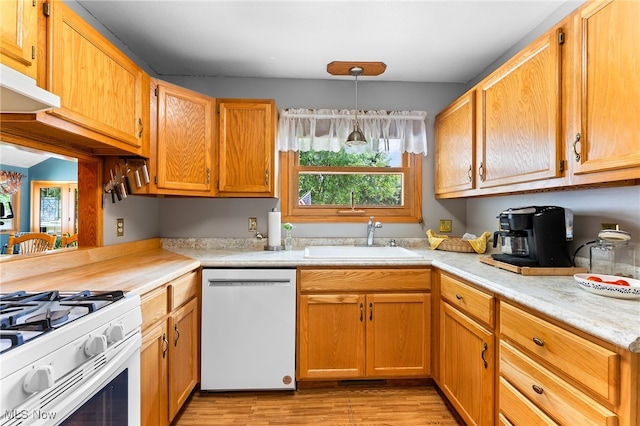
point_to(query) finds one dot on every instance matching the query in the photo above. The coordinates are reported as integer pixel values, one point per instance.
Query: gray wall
(181, 217)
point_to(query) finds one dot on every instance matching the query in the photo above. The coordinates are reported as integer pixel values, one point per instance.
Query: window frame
(15, 222)
(410, 212)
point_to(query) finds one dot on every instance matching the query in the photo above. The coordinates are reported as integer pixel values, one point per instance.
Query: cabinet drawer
(466, 298)
(154, 307)
(588, 363)
(554, 396)
(183, 289)
(518, 410)
(364, 280)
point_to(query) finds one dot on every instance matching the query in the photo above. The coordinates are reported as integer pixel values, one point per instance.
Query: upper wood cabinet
(607, 136)
(182, 145)
(519, 122)
(455, 146)
(246, 141)
(103, 94)
(18, 35)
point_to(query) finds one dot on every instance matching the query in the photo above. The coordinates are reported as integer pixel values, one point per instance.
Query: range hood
(19, 93)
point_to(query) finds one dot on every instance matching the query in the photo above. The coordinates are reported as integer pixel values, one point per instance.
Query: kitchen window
(325, 180)
(10, 203)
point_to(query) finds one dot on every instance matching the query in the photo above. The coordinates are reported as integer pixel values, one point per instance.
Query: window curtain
(327, 130)
(10, 182)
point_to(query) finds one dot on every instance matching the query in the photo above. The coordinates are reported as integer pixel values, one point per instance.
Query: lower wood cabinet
(169, 357)
(363, 323)
(466, 355)
(560, 374)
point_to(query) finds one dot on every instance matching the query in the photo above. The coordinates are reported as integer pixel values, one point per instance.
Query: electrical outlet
(253, 224)
(120, 227)
(446, 225)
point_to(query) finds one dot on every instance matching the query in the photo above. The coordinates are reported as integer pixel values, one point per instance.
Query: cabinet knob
(458, 296)
(537, 389)
(538, 341)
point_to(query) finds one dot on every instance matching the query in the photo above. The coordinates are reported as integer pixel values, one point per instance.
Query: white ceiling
(419, 40)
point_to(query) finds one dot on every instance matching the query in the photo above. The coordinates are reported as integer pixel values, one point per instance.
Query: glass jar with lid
(613, 254)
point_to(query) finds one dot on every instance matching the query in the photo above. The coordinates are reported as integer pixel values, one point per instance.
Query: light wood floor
(358, 405)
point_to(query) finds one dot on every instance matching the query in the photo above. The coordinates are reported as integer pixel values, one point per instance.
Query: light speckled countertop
(613, 320)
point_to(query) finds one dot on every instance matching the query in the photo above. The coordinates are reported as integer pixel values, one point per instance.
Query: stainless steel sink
(359, 252)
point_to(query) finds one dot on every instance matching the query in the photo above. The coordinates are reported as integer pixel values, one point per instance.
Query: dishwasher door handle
(247, 283)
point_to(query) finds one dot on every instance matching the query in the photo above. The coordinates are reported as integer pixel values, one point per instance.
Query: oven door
(105, 390)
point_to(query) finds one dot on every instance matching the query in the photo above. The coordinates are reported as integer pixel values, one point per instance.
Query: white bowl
(610, 290)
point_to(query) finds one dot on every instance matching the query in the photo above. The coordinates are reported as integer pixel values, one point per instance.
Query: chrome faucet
(371, 227)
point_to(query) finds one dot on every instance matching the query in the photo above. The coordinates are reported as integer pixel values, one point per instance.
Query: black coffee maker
(535, 236)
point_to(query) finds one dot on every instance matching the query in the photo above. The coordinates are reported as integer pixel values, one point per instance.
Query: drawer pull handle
(370, 311)
(175, 328)
(485, 347)
(538, 341)
(459, 297)
(537, 389)
(361, 312)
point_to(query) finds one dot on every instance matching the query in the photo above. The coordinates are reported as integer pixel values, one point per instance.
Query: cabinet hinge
(46, 9)
(155, 180)
(33, 52)
(561, 165)
(560, 38)
(155, 91)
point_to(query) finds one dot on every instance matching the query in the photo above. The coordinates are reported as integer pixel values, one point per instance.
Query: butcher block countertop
(136, 267)
(144, 265)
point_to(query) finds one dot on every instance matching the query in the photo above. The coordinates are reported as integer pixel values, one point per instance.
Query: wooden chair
(33, 242)
(70, 241)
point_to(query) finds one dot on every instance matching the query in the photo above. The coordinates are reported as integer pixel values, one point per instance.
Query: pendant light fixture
(356, 137)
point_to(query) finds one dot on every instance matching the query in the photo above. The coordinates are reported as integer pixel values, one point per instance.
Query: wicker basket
(456, 244)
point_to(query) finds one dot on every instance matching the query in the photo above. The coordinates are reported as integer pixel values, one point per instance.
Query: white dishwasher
(248, 329)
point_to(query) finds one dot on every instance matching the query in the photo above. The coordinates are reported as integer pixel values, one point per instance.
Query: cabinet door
(609, 88)
(18, 36)
(454, 147)
(331, 336)
(183, 355)
(153, 377)
(519, 134)
(467, 366)
(247, 148)
(398, 335)
(100, 88)
(184, 141)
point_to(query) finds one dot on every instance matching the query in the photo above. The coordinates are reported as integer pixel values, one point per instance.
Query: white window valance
(327, 130)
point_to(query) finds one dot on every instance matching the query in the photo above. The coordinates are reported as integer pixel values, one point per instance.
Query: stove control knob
(115, 333)
(95, 345)
(38, 379)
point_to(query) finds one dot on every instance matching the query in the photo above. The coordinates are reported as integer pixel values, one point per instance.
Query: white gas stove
(71, 358)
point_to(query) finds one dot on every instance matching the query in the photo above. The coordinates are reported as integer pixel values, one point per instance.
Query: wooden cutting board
(532, 270)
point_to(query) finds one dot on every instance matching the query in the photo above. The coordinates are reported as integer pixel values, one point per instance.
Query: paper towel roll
(274, 229)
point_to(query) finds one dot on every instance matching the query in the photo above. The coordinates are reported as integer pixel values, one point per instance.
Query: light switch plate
(446, 225)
